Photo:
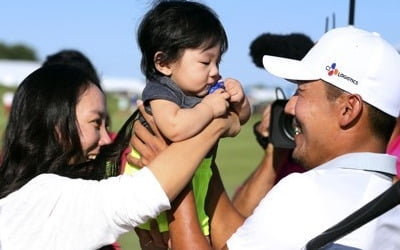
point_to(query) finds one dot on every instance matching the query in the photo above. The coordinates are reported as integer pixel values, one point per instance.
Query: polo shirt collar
(382, 163)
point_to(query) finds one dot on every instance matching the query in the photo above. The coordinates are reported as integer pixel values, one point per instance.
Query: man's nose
(290, 105)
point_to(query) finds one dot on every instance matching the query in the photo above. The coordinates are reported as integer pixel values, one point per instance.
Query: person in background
(394, 144)
(53, 194)
(75, 58)
(7, 101)
(182, 43)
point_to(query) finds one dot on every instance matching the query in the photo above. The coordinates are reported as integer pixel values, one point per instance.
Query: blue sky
(105, 30)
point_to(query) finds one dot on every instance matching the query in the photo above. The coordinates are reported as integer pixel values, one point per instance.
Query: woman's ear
(350, 109)
(161, 66)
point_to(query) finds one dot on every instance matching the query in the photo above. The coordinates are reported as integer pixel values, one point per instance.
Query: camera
(281, 130)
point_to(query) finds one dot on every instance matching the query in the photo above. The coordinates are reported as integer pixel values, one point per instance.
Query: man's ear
(350, 109)
(161, 66)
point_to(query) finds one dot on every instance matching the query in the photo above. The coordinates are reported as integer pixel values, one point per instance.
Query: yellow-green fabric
(200, 182)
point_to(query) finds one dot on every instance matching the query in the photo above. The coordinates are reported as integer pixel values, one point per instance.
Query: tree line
(17, 52)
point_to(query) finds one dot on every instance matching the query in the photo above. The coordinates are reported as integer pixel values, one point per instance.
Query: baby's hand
(217, 101)
(235, 90)
(238, 99)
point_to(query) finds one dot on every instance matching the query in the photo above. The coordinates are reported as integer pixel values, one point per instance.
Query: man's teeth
(297, 130)
(91, 157)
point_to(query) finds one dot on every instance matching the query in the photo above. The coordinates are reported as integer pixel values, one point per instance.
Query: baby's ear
(161, 66)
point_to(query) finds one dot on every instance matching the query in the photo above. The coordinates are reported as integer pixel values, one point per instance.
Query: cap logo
(333, 71)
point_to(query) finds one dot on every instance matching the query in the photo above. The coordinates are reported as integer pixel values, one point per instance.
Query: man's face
(316, 123)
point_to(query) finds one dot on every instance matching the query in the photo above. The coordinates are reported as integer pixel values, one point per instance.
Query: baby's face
(197, 70)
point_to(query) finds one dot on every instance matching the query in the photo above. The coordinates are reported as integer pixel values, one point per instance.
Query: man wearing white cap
(345, 108)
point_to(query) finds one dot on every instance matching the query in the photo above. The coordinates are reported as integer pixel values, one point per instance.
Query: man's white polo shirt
(301, 206)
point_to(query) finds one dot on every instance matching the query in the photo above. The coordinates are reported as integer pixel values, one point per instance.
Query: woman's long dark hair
(42, 134)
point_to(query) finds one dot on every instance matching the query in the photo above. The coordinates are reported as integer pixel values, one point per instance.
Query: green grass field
(237, 157)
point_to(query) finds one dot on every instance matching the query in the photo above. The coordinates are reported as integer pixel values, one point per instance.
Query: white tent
(118, 84)
(12, 72)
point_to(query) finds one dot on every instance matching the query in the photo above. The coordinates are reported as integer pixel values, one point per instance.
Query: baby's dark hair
(172, 26)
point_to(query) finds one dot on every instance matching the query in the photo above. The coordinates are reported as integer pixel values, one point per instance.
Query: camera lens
(287, 126)
(282, 131)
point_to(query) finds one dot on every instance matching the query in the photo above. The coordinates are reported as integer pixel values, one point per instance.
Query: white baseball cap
(355, 60)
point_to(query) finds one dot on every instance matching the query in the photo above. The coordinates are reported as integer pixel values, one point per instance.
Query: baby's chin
(202, 93)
